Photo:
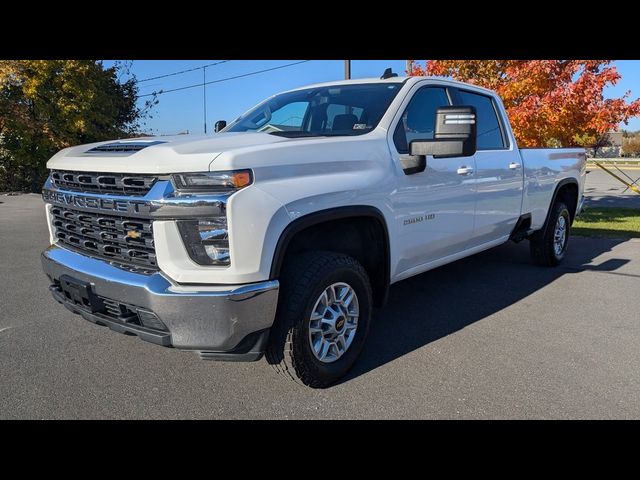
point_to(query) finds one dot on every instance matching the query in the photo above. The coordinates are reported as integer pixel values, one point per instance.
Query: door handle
(514, 166)
(465, 171)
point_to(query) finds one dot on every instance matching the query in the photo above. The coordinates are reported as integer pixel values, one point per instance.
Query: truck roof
(409, 80)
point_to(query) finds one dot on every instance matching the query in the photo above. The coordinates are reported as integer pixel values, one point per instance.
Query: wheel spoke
(342, 293)
(331, 294)
(326, 322)
(324, 349)
(348, 337)
(317, 343)
(348, 298)
(324, 300)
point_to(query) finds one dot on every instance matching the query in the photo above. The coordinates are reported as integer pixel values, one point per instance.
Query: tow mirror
(219, 125)
(454, 136)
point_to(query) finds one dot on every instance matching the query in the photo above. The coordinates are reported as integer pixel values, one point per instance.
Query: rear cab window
(491, 133)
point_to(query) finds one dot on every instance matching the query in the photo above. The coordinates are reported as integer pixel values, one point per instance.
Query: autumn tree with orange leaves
(550, 103)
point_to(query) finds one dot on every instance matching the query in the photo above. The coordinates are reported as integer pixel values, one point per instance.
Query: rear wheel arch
(359, 231)
(566, 191)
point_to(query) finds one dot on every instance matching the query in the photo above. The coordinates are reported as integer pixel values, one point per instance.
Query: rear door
(499, 173)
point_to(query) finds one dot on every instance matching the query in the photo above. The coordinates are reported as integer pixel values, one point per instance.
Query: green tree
(48, 105)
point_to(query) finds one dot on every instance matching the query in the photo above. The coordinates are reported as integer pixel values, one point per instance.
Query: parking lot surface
(603, 190)
(490, 336)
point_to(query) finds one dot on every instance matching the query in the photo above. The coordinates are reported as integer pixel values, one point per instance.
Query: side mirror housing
(219, 125)
(413, 164)
(454, 136)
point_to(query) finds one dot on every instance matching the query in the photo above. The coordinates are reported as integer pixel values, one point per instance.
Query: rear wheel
(548, 246)
(324, 311)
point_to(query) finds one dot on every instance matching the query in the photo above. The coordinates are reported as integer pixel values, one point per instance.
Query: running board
(522, 229)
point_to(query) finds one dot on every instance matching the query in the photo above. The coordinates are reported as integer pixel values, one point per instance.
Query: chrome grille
(104, 183)
(122, 241)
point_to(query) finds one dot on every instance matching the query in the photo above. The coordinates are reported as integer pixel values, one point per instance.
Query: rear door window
(490, 135)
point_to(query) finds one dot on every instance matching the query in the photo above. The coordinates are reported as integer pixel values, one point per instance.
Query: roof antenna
(388, 74)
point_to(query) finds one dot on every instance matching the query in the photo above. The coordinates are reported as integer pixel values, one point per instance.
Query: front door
(434, 209)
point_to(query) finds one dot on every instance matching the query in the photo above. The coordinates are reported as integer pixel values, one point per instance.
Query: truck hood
(158, 155)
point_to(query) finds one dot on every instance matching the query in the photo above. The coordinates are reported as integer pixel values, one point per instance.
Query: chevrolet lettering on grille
(92, 203)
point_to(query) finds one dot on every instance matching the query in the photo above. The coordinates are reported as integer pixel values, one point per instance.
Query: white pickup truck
(280, 233)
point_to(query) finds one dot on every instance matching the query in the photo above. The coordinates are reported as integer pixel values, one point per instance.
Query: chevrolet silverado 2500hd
(279, 234)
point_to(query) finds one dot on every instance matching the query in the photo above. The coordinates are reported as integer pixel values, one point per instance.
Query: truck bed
(544, 168)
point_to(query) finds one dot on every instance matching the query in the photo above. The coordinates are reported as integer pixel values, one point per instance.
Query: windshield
(323, 111)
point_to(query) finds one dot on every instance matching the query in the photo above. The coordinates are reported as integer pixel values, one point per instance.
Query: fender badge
(421, 218)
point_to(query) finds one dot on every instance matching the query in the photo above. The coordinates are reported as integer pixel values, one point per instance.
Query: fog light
(207, 241)
(150, 320)
(218, 254)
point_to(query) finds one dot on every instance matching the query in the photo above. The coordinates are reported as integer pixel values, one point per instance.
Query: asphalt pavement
(603, 190)
(490, 336)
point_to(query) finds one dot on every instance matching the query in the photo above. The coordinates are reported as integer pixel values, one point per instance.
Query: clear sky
(183, 110)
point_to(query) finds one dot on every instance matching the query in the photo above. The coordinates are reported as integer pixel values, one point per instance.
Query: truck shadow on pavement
(440, 302)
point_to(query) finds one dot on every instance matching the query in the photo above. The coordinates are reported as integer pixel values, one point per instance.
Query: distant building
(613, 147)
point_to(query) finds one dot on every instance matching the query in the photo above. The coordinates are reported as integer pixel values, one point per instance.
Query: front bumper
(222, 322)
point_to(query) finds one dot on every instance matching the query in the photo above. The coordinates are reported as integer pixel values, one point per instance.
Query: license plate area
(80, 293)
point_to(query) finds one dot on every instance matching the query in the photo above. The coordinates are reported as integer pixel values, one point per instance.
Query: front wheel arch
(365, 222)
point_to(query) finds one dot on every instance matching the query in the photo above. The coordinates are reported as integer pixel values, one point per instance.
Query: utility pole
(347, 69)
(204, 96)
(409, 66)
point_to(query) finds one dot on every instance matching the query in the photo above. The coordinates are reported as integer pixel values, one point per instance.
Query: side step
(522, 229)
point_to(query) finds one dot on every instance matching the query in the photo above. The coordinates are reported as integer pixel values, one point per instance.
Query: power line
(182, 71)
(161, 92)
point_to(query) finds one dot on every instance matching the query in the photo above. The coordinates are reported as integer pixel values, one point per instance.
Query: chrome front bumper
(219, 321)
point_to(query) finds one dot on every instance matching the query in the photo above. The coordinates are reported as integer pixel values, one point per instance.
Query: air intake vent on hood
(123, 147)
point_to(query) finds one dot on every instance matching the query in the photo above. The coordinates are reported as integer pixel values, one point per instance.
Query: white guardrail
(615, 161)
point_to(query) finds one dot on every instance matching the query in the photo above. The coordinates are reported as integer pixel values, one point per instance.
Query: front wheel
(323, 317)
(548, 246)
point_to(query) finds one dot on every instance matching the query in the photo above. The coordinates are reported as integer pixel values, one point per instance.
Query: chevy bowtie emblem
(133, 234)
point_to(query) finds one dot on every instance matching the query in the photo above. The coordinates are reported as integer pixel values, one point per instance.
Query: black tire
(304, 278)
(541, 243)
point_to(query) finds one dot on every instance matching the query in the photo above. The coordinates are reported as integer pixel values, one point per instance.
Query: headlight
(207, 241)
(212, 182)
